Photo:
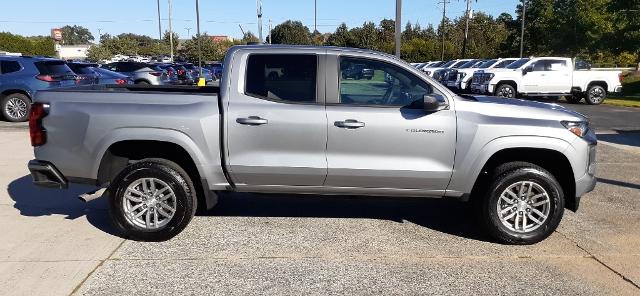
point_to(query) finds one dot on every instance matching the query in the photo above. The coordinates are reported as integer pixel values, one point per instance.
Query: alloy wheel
(149, 203)
(524, 206)
(16, 108)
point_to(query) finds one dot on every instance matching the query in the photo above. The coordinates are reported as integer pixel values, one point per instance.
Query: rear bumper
(46, 174)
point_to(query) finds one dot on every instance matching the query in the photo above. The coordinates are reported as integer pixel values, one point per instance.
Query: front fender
(469, 164)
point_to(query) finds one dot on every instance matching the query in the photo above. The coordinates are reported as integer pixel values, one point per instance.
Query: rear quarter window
(53, 68)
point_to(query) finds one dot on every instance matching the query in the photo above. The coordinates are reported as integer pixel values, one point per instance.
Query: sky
(37, 17)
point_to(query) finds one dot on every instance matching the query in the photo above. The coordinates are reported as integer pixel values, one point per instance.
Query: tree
(167, 40)
(73, 35)
(249, 38)
(38, 45)
(365, 36)
(341, 37)
(211, 50)
(291, 32)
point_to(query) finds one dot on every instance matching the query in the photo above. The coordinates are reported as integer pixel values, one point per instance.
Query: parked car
(357, 71)
(162, 154)
(439, 73)
(551, 76)
(461, 80)
(22, 76)
(171, 71)
(216, 69)
(184, 76)
(140, 73)
(84, 71)
(109, 77)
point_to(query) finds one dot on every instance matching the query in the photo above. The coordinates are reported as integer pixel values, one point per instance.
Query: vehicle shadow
(34, 201)
(444, 215)
(628, 138)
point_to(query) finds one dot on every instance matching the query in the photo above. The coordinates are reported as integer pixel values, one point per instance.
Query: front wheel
(596, 95)
(506, 91)
(523, 205)
(152, 200)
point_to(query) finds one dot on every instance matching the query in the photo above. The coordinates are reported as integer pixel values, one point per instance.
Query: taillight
(37, 133)
(155, 73)
(170, 72)
(48, 78)
(180, 72)
(121, 81)
(621, 77)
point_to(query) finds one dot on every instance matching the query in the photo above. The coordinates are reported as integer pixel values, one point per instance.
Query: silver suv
(140, 73)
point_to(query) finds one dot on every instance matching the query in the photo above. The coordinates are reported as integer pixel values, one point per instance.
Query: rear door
(276, 122)
(380, 138)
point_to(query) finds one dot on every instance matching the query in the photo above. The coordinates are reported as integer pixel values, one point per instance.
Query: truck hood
(501, 107)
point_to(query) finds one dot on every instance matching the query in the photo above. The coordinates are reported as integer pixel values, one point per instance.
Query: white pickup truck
(548, 76)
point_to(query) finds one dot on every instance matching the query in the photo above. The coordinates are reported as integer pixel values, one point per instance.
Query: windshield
(447, 64)
(487, 64)
(81, 69)
(517, 64)
(436, 64)
(469, 64)
(459, 64)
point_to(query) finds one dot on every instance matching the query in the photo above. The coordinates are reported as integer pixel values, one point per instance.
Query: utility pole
(159, 24)
(270, 31)
(170, 32)
(188, 32)
(315, 15)
(444, 30)
(466, 29)
(524, 14)
(398, 26)
(201, 81)
(99, 34)
(259, 4)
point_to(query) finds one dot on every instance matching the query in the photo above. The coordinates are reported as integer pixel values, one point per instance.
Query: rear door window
(282, 77)
(9, 67)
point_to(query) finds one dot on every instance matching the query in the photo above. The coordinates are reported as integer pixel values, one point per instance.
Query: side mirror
(433, 102)
(527, 70)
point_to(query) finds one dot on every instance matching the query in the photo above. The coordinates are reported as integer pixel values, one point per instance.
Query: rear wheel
(506, 91)
(152, 200)
(142, 82)
(15, 107)
(523, 205)
(596, 95)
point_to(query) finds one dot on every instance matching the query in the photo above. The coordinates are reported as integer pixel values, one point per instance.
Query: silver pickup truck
(163, 152)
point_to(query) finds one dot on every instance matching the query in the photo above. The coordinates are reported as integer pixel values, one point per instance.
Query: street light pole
(159, 24)
(170, 32)
(398, 26)
(524, 14)
(466, 29)
(443, 29)
(315, 16)
(201, 81)
(259, 4)
(188, 32)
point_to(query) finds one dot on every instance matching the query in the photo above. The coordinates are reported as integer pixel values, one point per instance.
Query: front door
(277, 127)
(379, 136)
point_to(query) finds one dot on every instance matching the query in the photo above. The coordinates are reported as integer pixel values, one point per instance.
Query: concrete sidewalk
(53, 244)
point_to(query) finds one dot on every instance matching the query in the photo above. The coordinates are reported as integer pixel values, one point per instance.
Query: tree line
(606, 32)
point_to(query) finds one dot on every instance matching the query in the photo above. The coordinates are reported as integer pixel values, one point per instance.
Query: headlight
(578, 128)
(491, 75)
(462, 75)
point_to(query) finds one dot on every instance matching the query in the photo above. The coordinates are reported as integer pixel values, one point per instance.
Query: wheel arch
(551, 160)
(129, 145)
(602, 83)
(10, 91)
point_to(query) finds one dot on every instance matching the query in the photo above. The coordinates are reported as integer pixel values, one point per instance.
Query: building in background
(219, 38)
(73, 52)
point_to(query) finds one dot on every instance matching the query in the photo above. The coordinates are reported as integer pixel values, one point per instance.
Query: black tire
(15, 107)
(142, 82)
(506, 91)
(166, 171)
(505, 176)
(573, 99)
(596, 94)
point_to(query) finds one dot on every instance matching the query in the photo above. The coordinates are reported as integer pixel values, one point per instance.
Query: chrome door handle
(349, 123)
(252, 120)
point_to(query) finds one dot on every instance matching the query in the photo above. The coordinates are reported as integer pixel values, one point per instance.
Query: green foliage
(211, 50)
(38, 45)
(291, 32)
(73, 35)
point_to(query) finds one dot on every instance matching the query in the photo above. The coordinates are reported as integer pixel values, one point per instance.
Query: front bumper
(46, 174)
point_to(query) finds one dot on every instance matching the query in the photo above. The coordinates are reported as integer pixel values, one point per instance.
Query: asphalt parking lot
(51, 243)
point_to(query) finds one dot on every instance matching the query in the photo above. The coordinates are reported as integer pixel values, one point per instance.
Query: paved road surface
(53, 244)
